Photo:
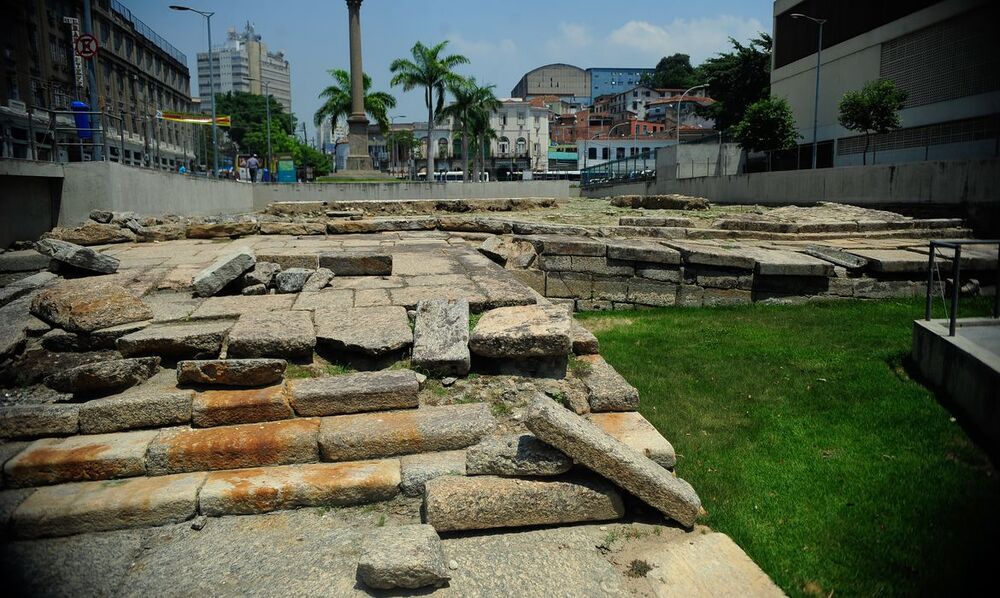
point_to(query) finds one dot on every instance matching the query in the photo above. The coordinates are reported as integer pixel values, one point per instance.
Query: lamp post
(395, 146)
(211, 82)
(267, 111)
(819, 51)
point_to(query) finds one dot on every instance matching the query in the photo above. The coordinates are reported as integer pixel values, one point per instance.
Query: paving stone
(177, 340)
(78, 458)
(24, 260)
(893, 261)
(221, 230)
(712, 255)
(262, 274)
(354, 393)
(35, 420)
(330, 299)
(100, 506)
(371, 331)
(611, 288)
(643, 251)
(357, 263)
(632, 429)
(522, 331)
(265, 489)
(273, 334)
(572, 285)
(231, 372)
(291, 280)
(104, 376)
(836, 257)
(223, 271)
(291, 260)
(772, 262)
(408, 556)
(234, 306)
(15, 320)
(386, 434)
(655, 221)
(441, 337)
(10, 500)
(92, 233)
(239, 406)
(24, 286)
(535, 279)
(584, 341)
(254, 290)
(658, 272)
(88, 304)
(10, 448)
(453, 503)
(233, 447)
(417, 469)
(566, 245)
(515, 455)
(318, 280)
(508, 252)
(292, 228)
(607, 390)
(155, 404)
(586, 444)
(77, 256)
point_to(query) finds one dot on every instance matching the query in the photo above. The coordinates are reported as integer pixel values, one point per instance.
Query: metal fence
(635, 168)
(956, 281)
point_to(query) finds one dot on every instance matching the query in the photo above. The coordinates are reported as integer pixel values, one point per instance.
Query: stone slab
(24, 260)
(354, 393)
(607, 390)
(772, 262)
(231, 372)
(239, 406)
(233, 447)
(408, 556)
(291, 280)
(523, 332)
(515, 455)
(836, 257)
(357, 263)
(584, 341)
(893, 261)
(391, 433)
(632, 429)
(643, 251)
(153, 405)
(265, 489)
(234, 306)
(78, 458)
(713, 255)
(35, 420)
(83, 258)
(441, 337)
(454, 503)
(109, 505)
(88, 304)
(273, 334)
(372, 331)
(191, 339)
(569, 245)
(110, 376)
(223, 271)
(415, 470)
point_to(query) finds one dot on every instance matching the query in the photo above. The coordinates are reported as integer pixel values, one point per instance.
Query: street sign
(86, 46)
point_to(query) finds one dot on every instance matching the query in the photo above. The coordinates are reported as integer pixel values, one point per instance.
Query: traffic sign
(86, 46)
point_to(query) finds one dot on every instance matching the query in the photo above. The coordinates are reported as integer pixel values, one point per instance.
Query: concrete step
(231, 407)
(77, 458)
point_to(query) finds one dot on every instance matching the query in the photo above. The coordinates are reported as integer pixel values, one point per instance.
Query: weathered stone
(291, 280)
(231, 372)
(607, 390)
(408, 556)
(535, 279)
(77, 458)
(329, 299)
(441, 337)
(584, 341)
(658, 272)
(265, 489)
(573, 285)
(454, 503)
(232, 306)
(155, 404)
(233, 447)
(318, 280)
(354, 393)
(643, 251)
(513, 254)
(102, 216)
(720, 297)
(262, 273)
(24, 286)
(244, 406)
(15, 319)
(417, 469)
(836, 257)
(588, 445)
(34, 420)
(523, 331)
(273, 334)
(292, 228)
(177, 340)
(371, 331)
(92, 233)
(893, 261)
(107, 338)
(162, 232)
(772, 262)
(517, 454)
(632, 429)
(100, 506)
(386, 434)
(89, 304)
(223, 271)
(713, 255)
(566, 245)
(652, 221)
(254, 290)
(357, 263)
(9, 449)
(310, 261)
(24, 260)
(220, 230)
(672, 201)
(104, 376)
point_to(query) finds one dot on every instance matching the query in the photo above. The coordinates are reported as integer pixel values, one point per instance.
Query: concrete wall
(265, 194)
(29, 199)
(698, 160)
(109, 186)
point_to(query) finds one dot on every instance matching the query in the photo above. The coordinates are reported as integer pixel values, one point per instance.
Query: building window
(443, 147)
(503, 146)
(619, 153)
(522, 146)
(592, 153)
(605, 153)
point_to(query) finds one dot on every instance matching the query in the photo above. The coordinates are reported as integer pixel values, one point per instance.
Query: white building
(328, 136)
(244, 64)
(943, 53)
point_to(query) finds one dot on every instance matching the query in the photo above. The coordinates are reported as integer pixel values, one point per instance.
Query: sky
(503, 40)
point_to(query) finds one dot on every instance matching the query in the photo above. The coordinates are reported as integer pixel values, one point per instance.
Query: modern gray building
(244, 64)
(945, 54)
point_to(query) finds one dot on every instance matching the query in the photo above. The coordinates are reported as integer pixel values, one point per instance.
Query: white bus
(452, 175)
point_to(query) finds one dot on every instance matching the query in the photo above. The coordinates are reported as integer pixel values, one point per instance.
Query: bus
(557, 175)
(452, 175)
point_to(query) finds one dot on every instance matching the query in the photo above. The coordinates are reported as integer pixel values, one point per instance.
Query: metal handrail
(956, 269)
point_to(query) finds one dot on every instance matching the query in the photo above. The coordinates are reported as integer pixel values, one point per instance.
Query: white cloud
(699, 38)
(481, 47)
(570, 36)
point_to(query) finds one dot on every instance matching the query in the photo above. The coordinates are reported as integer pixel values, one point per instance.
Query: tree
(248, 111)
(736, 80)
(872, 109)
(337, 101)
(767, 125)
(433, 72)
(471, 102)
(673, 72)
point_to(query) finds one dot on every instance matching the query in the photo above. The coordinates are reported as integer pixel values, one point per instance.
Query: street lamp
(211, 82)
(819, 51)
(267, 111)
(392, 123)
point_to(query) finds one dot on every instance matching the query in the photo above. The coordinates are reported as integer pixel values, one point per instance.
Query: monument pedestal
(358, 160)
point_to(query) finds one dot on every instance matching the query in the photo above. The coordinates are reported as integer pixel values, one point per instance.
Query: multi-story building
(575, 84)
(944, 54)
(632, 103)
(328, 136)
(610, 81)
(664, 111)
(244, 64)
(138, 74)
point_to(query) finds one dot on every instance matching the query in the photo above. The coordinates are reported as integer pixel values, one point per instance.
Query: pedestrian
(253, 164)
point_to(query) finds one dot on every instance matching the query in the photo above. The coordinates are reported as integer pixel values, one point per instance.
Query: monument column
(357, 158)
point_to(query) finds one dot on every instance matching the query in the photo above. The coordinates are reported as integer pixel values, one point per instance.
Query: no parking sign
(86, 46)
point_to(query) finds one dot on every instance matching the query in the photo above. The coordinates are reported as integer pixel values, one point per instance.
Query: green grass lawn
(811, 446)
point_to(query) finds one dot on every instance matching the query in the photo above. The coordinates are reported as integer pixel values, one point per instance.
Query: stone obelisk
(358, 158)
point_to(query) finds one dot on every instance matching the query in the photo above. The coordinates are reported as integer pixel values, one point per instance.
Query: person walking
(253, 164)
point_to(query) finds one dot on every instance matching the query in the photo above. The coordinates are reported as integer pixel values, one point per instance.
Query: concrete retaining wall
(265, 194)
(29, 199)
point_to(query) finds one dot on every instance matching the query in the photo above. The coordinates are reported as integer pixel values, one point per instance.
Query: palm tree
(459, 111)
(433, 72)
(484, 104)
(337, 102)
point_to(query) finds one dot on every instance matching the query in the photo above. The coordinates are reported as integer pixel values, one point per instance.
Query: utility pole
(819, 53)
(88, 28)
